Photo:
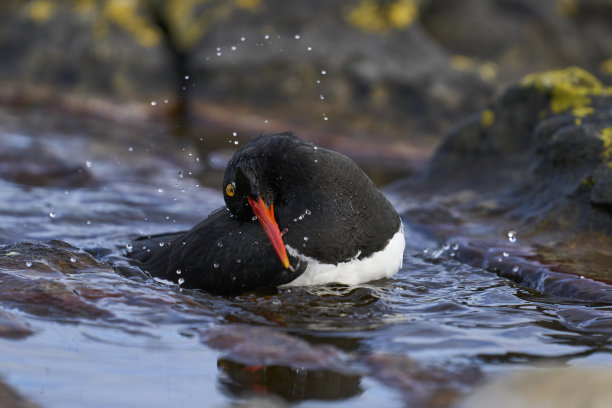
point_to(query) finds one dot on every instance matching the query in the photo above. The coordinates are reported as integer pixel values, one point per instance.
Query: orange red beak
(265, 216)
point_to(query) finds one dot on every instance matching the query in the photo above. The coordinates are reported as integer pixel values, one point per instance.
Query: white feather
(382, 264)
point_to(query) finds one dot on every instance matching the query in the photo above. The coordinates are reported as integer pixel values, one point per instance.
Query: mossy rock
(542, 151)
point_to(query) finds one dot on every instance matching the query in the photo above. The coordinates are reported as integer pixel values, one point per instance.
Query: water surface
(84, 328)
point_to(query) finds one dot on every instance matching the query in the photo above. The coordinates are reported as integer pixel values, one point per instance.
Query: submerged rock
(12, 327)
(560, 388)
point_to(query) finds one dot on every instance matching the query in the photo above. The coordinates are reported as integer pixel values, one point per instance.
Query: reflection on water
(76, 320)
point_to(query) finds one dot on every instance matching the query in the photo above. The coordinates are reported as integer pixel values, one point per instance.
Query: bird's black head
(255, 179)
(255, 171)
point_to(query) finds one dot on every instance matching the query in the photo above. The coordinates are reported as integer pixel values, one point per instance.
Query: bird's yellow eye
(229, 190)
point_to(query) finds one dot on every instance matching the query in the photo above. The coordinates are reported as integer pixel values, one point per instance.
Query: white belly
(382, 264)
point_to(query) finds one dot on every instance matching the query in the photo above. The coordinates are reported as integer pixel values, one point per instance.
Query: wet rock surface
(534, 163)
(545, 387)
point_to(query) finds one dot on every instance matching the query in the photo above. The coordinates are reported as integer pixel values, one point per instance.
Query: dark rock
(419, 385)
(539, 155)
(256, 345)
(12, 327)
(10, 398)
(32, 279)
(538, 160)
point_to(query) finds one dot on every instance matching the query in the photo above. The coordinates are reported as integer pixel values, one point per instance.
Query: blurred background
(376, 79)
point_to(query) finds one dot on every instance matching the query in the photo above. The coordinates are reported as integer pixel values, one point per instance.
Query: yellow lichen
(569, 88)
(487, 118)
(486, 70)
(582, 111)
(462, 63)
(606, 137)
(606, 67)
(248, 4)
(567, 7)
(371, 16)
(589, 182)
(124, 13)
(41, 10)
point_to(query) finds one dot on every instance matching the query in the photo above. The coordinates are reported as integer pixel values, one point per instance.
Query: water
(85, 322)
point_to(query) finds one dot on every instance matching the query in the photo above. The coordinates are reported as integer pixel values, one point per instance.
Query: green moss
(570, 88)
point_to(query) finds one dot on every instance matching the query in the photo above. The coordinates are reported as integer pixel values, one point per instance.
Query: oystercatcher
(295, 215)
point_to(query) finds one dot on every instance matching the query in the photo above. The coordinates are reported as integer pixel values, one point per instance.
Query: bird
(295, 215)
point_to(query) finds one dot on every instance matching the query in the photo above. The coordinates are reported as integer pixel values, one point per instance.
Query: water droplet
(515, 269)
(325, 118)
(455, 246)
(219, 54)
(181, 280)
(238, 260)
(28, 264)
(307, 212)
(178, 271)
(267, 36)
(52, 214)
(130, 149)
(242, 39)
(309, 48)
(266, 121)
(236, 142)
(234, 134)
(581, 276)
(306, 238)
(512, 236)
(316, 161)
(129, 246)
(160, 190)
(180, 174)
(322, 97)
(233, 48)
(186, 77)
(220, 244)
(72, 259)
(323, 72)
(161, 244)
(505, 254)
(88, 164)
(165, 101)
(215, 265)
(297, 37)
(153, 103)
(318, 81)
(88, 222)
(254, 218)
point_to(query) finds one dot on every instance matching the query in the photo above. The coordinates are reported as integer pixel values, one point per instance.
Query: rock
(537, 160)
(419, 385)
(546, 388)
(256, 345)
(12, 327)
(32, 279)
(10, 398)
(539, 155)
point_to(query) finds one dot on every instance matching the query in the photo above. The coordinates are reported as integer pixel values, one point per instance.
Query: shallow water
(83, 328)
